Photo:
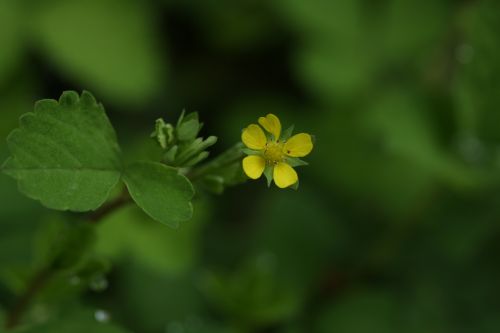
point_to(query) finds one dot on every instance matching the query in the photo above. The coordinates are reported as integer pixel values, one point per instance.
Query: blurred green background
(396, 225)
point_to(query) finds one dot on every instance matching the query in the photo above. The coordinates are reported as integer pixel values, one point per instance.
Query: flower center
(274, 152)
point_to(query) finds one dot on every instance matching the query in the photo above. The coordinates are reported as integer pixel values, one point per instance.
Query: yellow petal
(272, 124)
(299, 145)
(254, 166)
(284, 175)
(253, 137)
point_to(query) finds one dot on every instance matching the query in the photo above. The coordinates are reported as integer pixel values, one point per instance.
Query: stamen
(274, 152)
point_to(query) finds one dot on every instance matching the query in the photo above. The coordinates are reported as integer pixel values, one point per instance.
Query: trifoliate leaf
(160, 191)
(65, 154)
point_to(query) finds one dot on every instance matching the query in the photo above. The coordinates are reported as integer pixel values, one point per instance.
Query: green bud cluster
(181, 143)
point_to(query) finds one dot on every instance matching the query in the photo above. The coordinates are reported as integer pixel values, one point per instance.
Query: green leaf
(160, 191)
(65, 154)
(109, 46)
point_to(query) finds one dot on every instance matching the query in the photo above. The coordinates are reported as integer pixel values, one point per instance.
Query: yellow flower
(275, 154)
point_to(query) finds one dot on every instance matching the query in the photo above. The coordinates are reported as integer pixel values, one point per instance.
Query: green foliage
(476, 84)
(127, 234)
(395, 227)
(124, 66)
(253, 295)
(361, 313)
(79, 321)
(160, 191)
(64, 246)
(181, 144)
(10, 33)
(65, 154)
(223, 171)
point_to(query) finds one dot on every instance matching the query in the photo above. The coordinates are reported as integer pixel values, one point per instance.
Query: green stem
(44, 275)
(36, 284)
(230, 156)
(109, 207)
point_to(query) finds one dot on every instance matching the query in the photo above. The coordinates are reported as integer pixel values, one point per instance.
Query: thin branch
(40, 280)
(36, 284)
(109, 208)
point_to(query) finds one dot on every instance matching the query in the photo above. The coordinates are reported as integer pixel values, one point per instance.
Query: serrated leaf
(65, 154)
(160, 191)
